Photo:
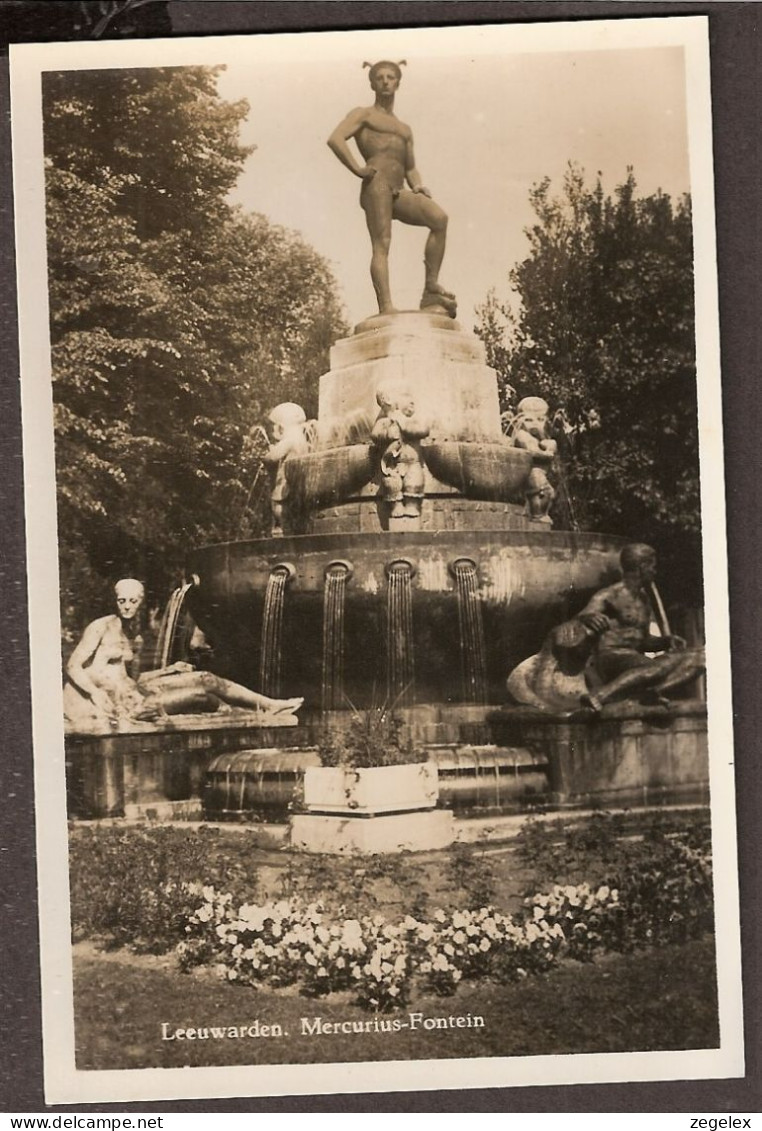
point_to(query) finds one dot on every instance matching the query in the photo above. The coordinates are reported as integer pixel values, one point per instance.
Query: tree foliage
(602, 325)
(176, 321)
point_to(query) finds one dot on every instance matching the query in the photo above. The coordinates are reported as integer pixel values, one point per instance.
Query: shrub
(608, 846)
(668, 897)
(135, 886)
(371, 738)
(472, 873)
(663, 897)
(153, 888)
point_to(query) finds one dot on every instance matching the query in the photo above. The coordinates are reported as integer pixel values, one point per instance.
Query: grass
(663, 999)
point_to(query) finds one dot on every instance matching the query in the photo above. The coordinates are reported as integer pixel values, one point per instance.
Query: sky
(489, 121)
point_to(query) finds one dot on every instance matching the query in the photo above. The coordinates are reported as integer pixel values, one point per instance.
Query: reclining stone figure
(105, 691)
(602, 654)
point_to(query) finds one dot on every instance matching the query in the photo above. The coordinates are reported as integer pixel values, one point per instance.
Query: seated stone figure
(602, 654)
(105, 691)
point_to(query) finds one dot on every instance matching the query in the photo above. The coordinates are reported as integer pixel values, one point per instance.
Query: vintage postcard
(377, 575)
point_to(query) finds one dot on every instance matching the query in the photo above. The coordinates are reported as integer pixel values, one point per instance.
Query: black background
(734, 30)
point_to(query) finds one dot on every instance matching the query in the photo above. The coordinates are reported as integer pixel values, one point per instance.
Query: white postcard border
(63, 1082)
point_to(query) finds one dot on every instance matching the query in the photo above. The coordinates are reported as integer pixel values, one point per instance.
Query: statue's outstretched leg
(656, 675)
(192, 691)
(238, 696)
(692, 663)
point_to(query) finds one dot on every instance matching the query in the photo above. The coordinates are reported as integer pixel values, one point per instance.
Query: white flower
(351, 934)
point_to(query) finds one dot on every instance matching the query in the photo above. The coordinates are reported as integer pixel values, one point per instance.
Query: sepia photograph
(377, 567)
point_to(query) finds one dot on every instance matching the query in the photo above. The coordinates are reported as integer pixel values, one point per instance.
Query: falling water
(472, 647)
(334, 593)
(400, 669)
(169, 622)
(272, 631)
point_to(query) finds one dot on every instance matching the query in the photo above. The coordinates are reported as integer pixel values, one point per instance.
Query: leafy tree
(176, 322)
(602, 325)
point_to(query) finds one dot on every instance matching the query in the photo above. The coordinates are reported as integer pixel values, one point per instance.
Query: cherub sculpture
(531, 432)
(397, 434)
(286, 430)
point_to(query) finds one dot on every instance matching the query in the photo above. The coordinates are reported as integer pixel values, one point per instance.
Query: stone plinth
(628, 755)
(443, 368)
(114, 775)
(376, 835)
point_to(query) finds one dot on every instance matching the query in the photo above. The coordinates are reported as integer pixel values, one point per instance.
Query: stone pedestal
(443, 368)
(125, 774)
(373, 835)
(628, 755)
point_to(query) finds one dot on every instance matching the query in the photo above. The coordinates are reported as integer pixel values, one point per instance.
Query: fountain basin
(260, 784)
(351, 649)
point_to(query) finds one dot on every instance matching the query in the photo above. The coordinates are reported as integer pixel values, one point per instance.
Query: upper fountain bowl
(494, 472)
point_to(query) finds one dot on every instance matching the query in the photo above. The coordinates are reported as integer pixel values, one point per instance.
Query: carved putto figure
(605, 653)
(531, 432)
(397, 434)
(105, 691)
(388, 162)
(285, 426)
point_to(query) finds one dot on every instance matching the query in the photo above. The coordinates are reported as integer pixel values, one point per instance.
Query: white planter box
(371, 835)
(378, 789)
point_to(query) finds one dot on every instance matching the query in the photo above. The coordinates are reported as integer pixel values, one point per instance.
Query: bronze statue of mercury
(388, 163)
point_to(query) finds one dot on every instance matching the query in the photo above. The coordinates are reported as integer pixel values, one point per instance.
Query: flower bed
(394, 923)
(286, 942)
(289, 942)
